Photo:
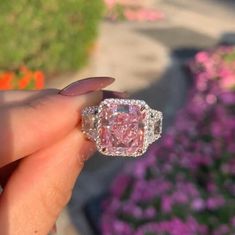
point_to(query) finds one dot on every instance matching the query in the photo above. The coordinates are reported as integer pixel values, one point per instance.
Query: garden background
(166, 52)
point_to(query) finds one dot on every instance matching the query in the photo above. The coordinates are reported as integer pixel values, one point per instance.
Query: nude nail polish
(87, 85)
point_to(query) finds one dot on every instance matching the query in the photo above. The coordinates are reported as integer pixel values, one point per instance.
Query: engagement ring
(122, 127)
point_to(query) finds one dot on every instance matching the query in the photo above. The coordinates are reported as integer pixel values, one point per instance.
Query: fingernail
(114, 94)
(87, 85)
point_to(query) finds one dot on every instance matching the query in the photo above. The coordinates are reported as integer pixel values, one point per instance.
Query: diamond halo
(122, 127)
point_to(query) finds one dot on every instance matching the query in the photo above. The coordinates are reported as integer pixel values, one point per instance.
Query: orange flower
(6, 81)
(24, 81)
(23, 78)
(24, 69)
(39, 79)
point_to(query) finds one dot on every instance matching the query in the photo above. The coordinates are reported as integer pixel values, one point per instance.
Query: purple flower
(167, 204)
(215, 202)
(228, 97)
(185, 180)
(198, 204)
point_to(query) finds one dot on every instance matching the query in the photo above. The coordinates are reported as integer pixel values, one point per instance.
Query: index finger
(27, 128)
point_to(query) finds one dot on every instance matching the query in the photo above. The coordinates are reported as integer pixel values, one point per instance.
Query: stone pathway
(146, 59)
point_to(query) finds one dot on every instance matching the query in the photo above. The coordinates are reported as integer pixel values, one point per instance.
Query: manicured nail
(114, 94)
(87, 85)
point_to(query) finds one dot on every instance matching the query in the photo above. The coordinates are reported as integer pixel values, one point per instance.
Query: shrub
(52, 35)
(185, 184)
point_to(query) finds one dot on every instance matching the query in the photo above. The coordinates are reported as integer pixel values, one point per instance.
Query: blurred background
(178, 56)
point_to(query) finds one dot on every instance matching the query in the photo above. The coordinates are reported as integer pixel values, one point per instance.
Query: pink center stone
(122, 129)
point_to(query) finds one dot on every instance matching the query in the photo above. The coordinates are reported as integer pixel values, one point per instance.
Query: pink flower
(150, 212)
(228, 82)
(120, 185)
(202, 57)
(222, 230)
(130, 15)
(198, 204)
(215, 202)
(228, 97)
(233, 222)
(166, 204)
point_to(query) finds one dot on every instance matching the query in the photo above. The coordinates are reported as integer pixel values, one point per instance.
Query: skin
(42, 152)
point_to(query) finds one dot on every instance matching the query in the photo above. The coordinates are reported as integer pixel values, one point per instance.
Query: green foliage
(230, 57)
(53, 35)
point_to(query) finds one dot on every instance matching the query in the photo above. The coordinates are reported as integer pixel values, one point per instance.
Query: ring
(122, 127)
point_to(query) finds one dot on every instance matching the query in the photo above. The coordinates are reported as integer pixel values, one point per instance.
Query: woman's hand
(42, 151)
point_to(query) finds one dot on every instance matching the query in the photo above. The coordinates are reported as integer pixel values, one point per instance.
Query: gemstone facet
(122, 128)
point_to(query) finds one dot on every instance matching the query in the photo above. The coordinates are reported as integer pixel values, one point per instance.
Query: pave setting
(122, 127)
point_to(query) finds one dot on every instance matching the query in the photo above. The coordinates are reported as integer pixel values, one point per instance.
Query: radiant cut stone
(122, 128)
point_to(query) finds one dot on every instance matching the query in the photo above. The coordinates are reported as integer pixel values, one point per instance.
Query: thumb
(42, 185)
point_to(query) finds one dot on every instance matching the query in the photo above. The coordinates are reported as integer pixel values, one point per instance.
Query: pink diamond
(122, 129)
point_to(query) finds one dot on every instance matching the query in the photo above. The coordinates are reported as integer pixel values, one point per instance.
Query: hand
(42, 151)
